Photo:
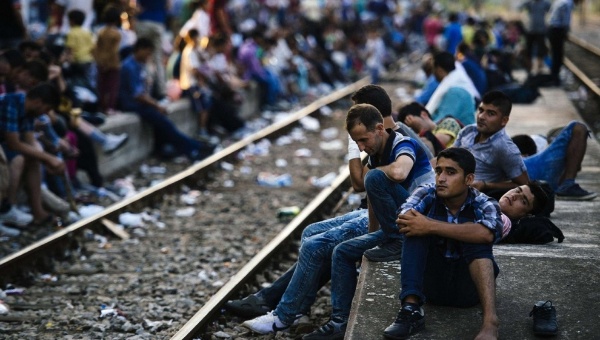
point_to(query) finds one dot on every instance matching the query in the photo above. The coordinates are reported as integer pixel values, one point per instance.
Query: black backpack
(533, 230)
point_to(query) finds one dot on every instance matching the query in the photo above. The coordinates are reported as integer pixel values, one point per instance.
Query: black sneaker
(251, 306)
(411, 319)
(544, 318)
(575, 193)
(330, 331)
(388, 251)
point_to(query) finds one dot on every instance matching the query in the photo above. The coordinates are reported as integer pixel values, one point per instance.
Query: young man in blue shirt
(135, 95)
(449, 229)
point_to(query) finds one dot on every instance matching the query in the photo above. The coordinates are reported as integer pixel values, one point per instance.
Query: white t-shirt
(189, 63)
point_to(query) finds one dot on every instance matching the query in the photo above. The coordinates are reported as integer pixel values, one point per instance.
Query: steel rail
(196, 170)
(212, 306)
(576, 70)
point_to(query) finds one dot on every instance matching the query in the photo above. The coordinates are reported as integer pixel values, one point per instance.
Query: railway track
(105, 285)
(582, 58)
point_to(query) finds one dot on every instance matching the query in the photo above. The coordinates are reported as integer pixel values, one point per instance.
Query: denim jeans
(298, 287)
(385, 198)
(166, 132)
(427, 273)
(343, 271)
(549, 164)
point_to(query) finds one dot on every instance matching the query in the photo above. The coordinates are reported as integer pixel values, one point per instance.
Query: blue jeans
(385, 198)
(298, 287)
(549, 164)
(447, 282)
(166, 132)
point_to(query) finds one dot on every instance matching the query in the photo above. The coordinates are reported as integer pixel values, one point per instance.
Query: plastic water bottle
(276, 181)
(324, 181)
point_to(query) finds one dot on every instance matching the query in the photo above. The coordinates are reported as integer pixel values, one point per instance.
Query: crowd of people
(439, 215)
(110, 57)
(443, 184)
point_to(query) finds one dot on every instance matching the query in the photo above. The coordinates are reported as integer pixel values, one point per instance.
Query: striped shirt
(12, 115)
(477, 208)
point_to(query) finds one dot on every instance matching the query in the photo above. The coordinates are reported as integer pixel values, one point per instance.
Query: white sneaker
(16, 217)
(113, 142)
(6, 231)
(268, 323)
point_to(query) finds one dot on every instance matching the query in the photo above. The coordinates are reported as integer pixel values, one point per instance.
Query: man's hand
(413, 223)
(162, 109)
(55, 166)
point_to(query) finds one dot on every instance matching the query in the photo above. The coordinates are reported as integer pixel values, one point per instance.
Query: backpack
(533, 230)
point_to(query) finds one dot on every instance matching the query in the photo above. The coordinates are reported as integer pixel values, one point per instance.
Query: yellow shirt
(81, 43)
(107, 48)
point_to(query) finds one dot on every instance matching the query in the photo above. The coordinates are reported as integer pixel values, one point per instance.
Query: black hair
(111, 15)
(29, 44)
(193, 33)
(499, 100)
(543, 203)
(47, 92)
(37, 68)
(14, 58)
(463, 48)
(143, 43)
(76, 17)
(526, 144)
(365, 114)
(376, 96)
(462, 156)
(445, 60)
(412, 109)
(453, 16)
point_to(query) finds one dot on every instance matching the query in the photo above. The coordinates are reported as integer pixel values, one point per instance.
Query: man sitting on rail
(449, 230)
(398, 165)
(24, 155)
(293, 293)
(135, 96)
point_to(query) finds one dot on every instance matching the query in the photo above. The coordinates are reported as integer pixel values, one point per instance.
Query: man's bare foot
(488, 331)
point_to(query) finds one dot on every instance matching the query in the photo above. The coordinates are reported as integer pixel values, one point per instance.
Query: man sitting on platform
(449, 230)
(398, 165)
(437, 136)
(455, 95)
(501, 167)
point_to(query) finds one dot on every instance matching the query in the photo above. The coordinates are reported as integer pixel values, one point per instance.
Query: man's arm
(522, 179)
(356, 167)
(357, 174)
(146, 99)
(27, 149)
(413, 223)
(399, 169)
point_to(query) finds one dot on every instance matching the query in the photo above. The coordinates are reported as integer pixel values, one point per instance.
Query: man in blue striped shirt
(449, 229)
